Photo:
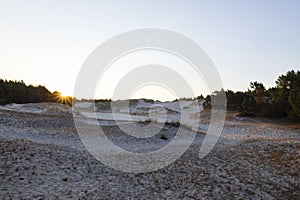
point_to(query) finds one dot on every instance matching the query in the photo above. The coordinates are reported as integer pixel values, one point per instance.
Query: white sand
(43, 158)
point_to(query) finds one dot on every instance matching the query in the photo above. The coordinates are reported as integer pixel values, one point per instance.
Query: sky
(46, 42)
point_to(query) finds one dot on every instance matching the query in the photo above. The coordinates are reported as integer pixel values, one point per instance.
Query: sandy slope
(42, 157)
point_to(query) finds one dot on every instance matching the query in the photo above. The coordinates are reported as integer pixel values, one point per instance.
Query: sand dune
(42, 157)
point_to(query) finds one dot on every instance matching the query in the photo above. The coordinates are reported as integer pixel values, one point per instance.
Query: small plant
(163, 136)
(173, 123)
(147, 121)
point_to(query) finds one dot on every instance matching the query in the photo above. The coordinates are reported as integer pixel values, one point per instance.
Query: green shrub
(163, 136)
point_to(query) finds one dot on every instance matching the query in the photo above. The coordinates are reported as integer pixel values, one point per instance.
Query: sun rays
(59, 97)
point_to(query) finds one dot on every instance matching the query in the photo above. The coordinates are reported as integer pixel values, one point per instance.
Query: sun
(60, 98)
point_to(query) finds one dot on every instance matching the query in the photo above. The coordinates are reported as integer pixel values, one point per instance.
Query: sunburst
(60, 98)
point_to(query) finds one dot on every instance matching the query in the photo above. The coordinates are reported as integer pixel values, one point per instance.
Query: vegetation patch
(163, 136)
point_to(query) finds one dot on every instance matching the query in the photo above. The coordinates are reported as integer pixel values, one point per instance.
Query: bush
(163, 136)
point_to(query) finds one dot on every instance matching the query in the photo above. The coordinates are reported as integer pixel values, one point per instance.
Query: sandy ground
(42, 157)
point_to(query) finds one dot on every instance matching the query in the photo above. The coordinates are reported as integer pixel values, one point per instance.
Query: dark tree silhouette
(19, 92)
(280, 101)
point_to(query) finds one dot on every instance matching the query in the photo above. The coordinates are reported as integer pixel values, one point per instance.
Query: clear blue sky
(46, 42)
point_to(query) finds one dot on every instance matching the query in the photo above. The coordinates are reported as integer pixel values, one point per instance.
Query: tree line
(280, 101)
(19, 92)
